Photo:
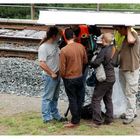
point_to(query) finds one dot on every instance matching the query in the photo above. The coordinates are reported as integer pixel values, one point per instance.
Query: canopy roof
(57, 17)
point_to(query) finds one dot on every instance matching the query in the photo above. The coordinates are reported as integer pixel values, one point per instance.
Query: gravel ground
(23, 78)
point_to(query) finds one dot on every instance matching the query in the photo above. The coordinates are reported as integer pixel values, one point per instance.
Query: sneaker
(123, 116)
(128, 121)
(47, 121)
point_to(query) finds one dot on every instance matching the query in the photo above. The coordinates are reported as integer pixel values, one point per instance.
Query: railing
(96, 7)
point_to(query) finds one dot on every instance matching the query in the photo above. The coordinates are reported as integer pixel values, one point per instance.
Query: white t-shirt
(50, 54)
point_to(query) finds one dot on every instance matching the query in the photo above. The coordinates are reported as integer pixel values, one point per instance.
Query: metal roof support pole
(32, 11)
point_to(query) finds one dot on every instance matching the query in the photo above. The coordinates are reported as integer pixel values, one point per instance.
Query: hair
(52, 31)
(76, 30)
(94, 30)
(119, 26)
(108, 37)
(69, 34)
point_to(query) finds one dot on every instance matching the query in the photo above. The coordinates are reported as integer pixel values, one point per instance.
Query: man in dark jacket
(103, 90)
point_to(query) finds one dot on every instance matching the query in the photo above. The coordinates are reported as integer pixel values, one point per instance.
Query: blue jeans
(50, 98)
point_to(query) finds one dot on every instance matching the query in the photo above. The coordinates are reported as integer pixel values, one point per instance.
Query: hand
(54, 76)
(128, 29)
(118, 49)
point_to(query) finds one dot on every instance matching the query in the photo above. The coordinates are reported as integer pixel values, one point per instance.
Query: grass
(31, 124)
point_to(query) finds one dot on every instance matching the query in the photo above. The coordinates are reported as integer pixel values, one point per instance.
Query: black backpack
(86, 112)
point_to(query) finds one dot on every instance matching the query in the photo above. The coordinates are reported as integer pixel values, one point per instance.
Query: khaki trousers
(129, 83)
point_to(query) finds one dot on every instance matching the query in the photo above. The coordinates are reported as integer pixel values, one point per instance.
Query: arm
(62, 66)
(130, 37)
(44, 66)
(99, 59)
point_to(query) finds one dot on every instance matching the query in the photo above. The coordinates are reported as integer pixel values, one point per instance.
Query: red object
(84, 33)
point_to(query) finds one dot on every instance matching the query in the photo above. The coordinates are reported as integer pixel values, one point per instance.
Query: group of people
(69, 62)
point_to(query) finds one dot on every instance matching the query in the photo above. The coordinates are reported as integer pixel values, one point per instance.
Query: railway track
(17, 39)
(15, 24)
(28, 54)
(22, 24)
(31, 40)
(33, 25)
(23, 27)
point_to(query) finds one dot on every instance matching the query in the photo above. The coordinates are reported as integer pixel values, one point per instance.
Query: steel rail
(17, 39)
(32, 24)
(30, 54)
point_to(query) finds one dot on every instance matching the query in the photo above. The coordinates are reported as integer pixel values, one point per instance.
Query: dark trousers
(103, 90)
(76, 92)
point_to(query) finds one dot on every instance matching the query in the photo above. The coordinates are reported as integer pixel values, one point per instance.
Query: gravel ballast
(23, 77)
(20, 76)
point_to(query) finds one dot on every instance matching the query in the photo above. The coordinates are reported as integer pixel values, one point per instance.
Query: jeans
(75, 91)
(50, 98)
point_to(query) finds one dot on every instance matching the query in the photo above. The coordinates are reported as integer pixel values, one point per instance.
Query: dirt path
(12, 104)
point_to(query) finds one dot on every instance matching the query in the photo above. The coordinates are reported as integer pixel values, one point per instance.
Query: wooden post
(32, 11)
(98, 7)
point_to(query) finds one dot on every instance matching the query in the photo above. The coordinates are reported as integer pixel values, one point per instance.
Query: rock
(20, 76)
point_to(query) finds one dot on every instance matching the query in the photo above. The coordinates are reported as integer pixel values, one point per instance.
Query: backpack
(86, 112)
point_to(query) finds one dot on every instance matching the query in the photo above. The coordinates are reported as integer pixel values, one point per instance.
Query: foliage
(24, 12)
(14, 12)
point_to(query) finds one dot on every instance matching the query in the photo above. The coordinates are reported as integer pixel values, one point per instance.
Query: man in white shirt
(48, 55)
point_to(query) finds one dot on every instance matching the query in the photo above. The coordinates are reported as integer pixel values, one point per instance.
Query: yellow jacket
(120, 38)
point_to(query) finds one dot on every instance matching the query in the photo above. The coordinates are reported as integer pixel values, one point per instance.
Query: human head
(121, 29)
(69, 34)
(94, 30)
(107, 39)
(76, 29)
(52, 33)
